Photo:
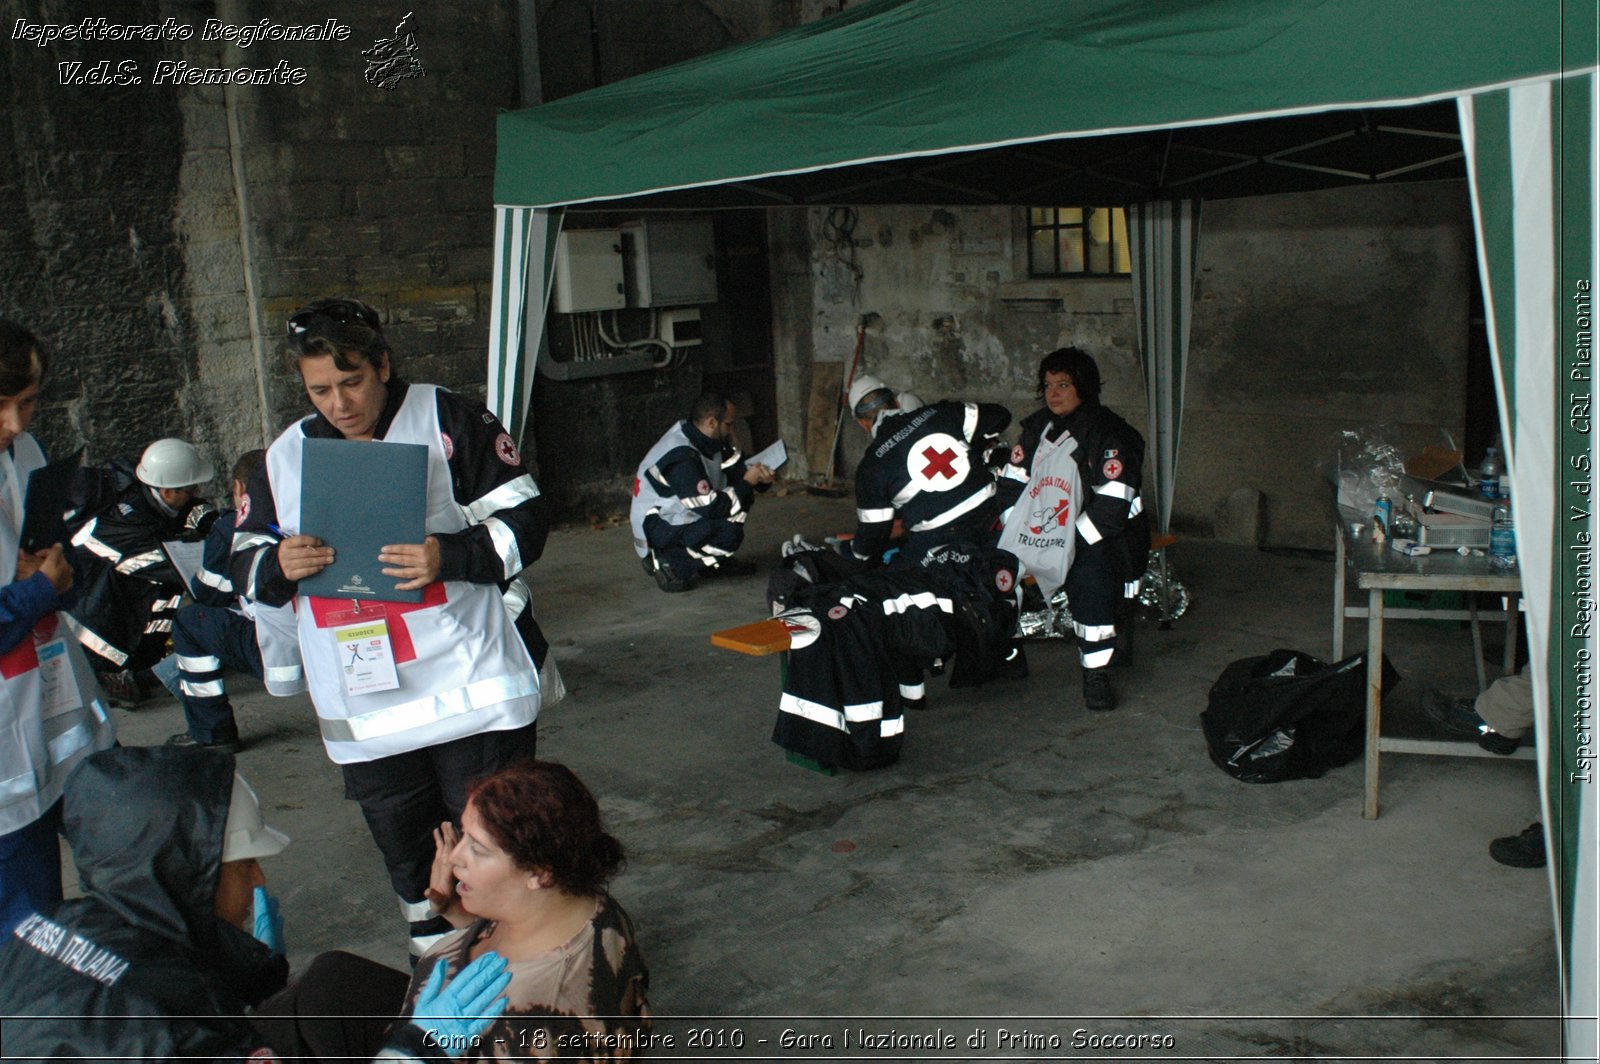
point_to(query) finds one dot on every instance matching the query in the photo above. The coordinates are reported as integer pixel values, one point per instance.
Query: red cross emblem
(940, 462)
(393, 615)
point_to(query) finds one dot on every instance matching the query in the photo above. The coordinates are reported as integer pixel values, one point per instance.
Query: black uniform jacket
(139, 968)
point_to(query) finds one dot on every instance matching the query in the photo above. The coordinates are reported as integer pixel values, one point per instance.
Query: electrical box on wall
(670, 262)
(589, 272)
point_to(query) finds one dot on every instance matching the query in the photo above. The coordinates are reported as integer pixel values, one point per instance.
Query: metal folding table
(1378, 569)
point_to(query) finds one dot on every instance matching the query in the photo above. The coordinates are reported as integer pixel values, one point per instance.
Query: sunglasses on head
(340, 311)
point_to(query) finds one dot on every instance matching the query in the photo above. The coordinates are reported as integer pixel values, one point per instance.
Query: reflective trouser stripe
(429, 709)
(913, 690)
(891, 727)
(1097, 659)
(202, 689)
(812, 711)
(207, 664)
(862, 712)
(1095, 633)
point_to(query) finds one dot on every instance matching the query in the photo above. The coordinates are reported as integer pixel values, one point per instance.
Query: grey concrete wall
(91, 255)
(1314, 314)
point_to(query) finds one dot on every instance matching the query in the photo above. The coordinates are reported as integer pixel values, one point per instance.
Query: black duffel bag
(1288, 715)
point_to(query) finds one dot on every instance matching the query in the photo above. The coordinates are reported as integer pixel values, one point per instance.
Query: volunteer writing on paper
(456, 686)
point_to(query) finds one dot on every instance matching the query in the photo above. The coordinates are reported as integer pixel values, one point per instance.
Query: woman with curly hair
(525, 877)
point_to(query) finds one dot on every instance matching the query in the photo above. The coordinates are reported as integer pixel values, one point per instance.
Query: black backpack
(1288, 715)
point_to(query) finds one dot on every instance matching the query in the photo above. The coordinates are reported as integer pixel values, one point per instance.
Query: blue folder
(359, 496)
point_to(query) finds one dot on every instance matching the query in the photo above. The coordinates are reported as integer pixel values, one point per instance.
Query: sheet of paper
(772, 457)
(186, 558)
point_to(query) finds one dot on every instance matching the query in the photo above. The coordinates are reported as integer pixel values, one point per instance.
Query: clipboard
(358, 496)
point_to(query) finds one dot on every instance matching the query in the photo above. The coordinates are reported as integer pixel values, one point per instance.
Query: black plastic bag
(1288, 715)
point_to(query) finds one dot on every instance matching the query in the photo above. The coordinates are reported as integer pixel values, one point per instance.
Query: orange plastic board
(757, 640)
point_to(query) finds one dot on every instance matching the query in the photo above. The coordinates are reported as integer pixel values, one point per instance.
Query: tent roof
(883, 86)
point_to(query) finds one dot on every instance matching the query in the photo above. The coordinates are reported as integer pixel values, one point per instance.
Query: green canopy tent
(1108, 101)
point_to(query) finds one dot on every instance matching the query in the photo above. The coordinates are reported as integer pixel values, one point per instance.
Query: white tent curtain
(1530, 152)
(1163, 239)
(524, 260)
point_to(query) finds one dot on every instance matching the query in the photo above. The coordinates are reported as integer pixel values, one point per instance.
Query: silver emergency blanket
(1043, 620)
(1150, 588)
(1053, 620)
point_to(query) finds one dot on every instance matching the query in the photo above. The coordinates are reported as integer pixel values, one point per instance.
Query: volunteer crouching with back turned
(175, 935)
(467, 657)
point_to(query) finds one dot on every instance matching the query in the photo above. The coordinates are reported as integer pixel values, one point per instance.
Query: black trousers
(340, 1008)
(404, 797)
(691, 549)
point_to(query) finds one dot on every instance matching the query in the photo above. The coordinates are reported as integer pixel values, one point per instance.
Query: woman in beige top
(525, 877)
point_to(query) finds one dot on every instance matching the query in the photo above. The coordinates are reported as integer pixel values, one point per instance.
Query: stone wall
(156, 236)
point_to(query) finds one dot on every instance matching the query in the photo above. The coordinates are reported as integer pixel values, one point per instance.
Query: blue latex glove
(456, 1014)
(268, 927)
(888, 555)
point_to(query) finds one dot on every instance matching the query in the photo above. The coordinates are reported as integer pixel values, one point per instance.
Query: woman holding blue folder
(414, 700)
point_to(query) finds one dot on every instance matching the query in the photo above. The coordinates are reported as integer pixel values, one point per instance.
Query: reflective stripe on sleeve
(965, 506)
(872, 517)
(969, 420)
(1117, 488)
(511, 493)
(505, 546)
(211, 579)
(139, 561)
(920, 600)
(1087, 529)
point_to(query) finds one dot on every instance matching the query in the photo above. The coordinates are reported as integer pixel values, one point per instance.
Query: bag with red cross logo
(1041, 530)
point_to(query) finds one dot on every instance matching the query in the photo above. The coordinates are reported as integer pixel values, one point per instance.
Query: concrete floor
(1028, 874)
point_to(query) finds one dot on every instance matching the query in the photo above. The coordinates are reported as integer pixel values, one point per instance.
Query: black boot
(1097, 692)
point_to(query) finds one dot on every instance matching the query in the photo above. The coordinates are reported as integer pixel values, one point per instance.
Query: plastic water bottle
(1502, 537)
(1489, 474)
(1383, 510)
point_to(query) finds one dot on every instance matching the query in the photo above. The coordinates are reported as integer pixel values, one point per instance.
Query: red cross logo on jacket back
(941, 462)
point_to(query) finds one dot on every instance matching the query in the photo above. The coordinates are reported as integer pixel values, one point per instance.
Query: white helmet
(862, 387)
(173, 464)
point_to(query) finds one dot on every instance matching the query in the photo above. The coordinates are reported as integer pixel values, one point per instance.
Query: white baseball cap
(246, 834)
